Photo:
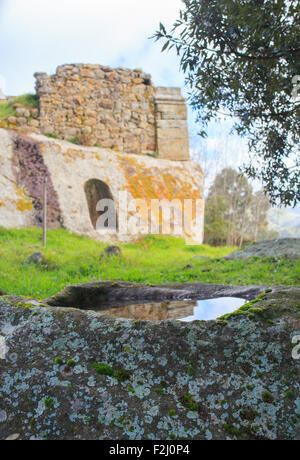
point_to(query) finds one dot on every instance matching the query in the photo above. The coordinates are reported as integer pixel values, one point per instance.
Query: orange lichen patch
(139, 181)
(23, 203)
(55, 148)
(19, 191)
(96, 155)
(155, 183)
(1, 204)
(72, 155)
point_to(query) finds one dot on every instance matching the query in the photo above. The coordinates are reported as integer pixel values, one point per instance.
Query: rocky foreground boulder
(73, 374)
(285, 247)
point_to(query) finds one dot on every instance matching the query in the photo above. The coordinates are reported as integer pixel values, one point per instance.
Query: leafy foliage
(241, 57)
(234, 214)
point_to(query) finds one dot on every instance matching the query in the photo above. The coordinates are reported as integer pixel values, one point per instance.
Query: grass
(52, 135)
(28, 101)
(73, 259)
(6, 110)
(74, 140)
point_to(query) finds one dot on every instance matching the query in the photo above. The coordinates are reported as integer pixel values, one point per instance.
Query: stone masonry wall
(118, 109)
(172, 134)
(113, 108)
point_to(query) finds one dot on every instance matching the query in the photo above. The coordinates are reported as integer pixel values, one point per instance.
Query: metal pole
(45, 211)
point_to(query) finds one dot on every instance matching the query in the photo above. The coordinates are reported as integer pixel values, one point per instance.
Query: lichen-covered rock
(35, 258)
(285, 247)
(112, 251)
(72, 374)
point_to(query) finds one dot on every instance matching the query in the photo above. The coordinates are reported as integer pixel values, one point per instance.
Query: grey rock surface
(112, 251)
(286, 247)
(36, 258)
(73, 374)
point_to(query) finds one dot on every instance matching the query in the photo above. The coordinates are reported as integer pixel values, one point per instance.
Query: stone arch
(96, 190)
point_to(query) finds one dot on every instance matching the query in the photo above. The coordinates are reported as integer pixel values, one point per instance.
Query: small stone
(20, 111)
(13, 437)
(36, 258)
(34, 123)
(34, 113)
(12, 120)
(3, 416)
(112, 251)
(21, 121)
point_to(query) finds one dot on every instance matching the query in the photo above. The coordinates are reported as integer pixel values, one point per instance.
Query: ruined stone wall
(118, 109)
(113, 108)
(97, 106)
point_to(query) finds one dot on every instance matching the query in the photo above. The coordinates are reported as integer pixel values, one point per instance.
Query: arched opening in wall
(103, 216)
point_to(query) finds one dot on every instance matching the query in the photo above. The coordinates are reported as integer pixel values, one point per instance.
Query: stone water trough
(68, 372)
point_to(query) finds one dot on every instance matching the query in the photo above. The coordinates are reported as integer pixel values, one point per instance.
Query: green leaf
(165, 46)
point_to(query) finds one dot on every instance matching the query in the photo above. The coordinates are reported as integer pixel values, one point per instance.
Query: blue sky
(39, 35)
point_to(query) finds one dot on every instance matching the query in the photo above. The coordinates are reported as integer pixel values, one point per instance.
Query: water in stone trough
(183, 310)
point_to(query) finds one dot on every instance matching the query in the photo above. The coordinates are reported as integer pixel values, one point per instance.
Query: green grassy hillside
(72, 259)
(28, 101)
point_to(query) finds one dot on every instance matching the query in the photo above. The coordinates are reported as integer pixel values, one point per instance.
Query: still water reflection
(183, 310)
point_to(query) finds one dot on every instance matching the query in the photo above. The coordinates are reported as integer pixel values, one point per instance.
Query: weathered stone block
(174, 148)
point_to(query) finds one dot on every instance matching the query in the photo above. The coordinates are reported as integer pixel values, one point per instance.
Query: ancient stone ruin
(115, 108)
(96, 132)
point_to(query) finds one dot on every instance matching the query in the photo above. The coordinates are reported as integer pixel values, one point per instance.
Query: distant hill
(285, 221)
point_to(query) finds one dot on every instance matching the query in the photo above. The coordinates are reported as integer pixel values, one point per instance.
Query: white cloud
(39, 35)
